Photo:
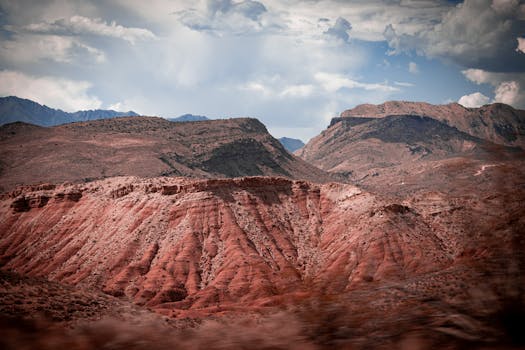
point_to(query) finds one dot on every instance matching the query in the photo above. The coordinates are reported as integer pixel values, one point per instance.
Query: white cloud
(508, 92)
(403, 84)
(80, 25)
(507, 86)
(32, 48)
(478, 76)
(65, 94)
(413, 68)
(301, 90)
(332, 82)
(521, 45)
(476, 99)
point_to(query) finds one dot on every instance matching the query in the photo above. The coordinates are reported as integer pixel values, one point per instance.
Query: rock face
(144, 146)
(498, 123)
(176, 244)
(14, 109)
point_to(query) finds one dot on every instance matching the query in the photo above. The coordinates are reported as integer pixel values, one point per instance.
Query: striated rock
(200, 244)
(184, 246)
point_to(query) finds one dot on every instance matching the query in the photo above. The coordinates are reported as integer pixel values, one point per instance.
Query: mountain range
(15, 109)
(189, 118)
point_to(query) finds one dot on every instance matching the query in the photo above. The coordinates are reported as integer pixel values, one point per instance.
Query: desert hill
(15, 109)
(400, 153)
(497, 122)
(144, 146)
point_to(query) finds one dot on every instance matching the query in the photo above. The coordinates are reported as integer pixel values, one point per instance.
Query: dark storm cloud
(476, 34)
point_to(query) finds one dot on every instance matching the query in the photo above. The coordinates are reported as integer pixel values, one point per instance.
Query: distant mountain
(189, 118)
(497, 122)
(290, 144)
(15, 109)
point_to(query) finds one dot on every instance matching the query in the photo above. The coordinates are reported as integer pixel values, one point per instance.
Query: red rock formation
(175, 244)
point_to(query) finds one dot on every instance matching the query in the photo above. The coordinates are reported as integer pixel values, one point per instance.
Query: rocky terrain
(192, 248)
(401, 153)
(424, 250)
(498, 122)
(144, 146)
(15, 109)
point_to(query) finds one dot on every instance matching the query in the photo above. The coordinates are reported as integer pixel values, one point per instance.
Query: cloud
(80, 25)
(508, 92)
(521, 45)
(32, 48)
(226, 16)
(475, 33)
(301, 90)
(332, 82)
(403, 84)
(478, 76)
(474, 100)
(413, 68)
(504, 6)
(340, 29)
(507, 86)
(65, 94)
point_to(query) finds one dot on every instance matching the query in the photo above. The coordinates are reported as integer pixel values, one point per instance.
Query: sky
(293, 64)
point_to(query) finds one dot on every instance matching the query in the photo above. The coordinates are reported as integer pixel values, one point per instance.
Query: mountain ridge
(497, 122)
(147, 147)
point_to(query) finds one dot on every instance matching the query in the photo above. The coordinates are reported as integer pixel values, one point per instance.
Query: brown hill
(498, 123)
(403, 153)
(144, 146)
(432, 262)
